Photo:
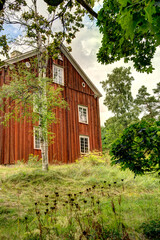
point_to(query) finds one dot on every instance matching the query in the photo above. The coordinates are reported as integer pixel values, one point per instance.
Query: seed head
(84, 233)
(77, 206)
(52, 208)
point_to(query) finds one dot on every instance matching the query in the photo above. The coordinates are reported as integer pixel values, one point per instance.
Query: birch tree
(40, 32)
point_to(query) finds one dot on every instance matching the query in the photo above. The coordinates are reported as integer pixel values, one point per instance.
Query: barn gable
(71, 60)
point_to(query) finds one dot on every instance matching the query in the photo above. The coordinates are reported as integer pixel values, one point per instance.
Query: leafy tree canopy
(120, 101)
(138, 148)
(118, 97)
(112, 129)
(125, 108)
(130, 30)
(23, 93)
(147, 103)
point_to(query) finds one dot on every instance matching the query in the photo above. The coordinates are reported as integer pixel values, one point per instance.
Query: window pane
(83, 114)
(58, 75)
(84, 144)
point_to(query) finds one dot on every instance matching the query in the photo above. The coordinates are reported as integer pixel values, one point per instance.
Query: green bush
(138, 147)
(151, 229)
(34, 161)
(94, 158)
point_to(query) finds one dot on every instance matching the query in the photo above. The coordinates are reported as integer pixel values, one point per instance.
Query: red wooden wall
(16, 140)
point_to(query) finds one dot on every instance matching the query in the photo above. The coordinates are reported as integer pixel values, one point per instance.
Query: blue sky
(11, 31)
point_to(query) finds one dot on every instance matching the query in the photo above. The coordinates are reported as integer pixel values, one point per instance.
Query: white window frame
(34, 130)
(86, 108)
(84, 137)
(56, 80)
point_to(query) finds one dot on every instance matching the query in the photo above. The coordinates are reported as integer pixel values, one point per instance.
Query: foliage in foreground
(130, 30)
(138, 147)
(86, 200)
(151, 229)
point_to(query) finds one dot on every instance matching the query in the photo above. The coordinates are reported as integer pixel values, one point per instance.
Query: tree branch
(81, 2)
(88, 8)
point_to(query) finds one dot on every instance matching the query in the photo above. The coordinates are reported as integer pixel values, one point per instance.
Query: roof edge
(70, 58)
(80, 71)
(21, 57)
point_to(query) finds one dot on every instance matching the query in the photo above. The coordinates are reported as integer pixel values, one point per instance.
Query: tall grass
(93, 201)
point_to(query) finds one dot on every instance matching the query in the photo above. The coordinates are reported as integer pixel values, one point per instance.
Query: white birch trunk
(44, 151)
(44, 130)
(43, 109)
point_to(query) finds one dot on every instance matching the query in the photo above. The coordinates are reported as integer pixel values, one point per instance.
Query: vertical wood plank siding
(16, 140)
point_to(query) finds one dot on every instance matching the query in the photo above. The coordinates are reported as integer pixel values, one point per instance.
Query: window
(84, 144)
(37, 141)
(83, 114)
(58, 76)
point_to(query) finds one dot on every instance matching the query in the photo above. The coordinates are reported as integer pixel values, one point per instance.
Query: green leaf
(126, 22)
(123, 2)
(149, 11)
(92, 3)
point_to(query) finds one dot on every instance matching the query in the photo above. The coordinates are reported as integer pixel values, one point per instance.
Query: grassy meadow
(86, 200)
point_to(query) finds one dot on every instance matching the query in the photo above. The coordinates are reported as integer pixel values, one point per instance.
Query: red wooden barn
(78, 129)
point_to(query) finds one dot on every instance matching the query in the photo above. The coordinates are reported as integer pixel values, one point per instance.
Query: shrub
(138, 147)
(34, 161)
(94, 158)
(151, 229)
